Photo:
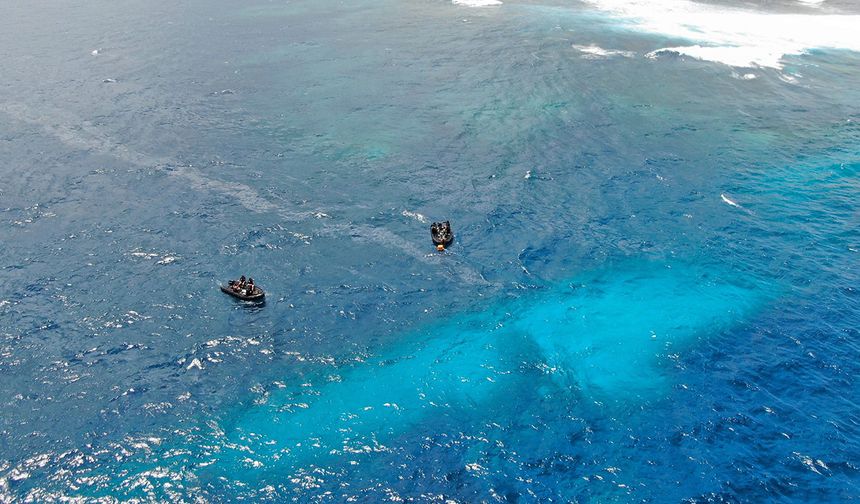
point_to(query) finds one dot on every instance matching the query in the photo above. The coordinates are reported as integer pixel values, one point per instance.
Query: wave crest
(476, 3)
(736, 37)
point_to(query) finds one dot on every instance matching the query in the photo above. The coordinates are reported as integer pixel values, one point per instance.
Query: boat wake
(79, 134)
(415, 215)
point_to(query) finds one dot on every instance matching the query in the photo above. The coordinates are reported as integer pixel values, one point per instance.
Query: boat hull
(441, 234)
(256, 296)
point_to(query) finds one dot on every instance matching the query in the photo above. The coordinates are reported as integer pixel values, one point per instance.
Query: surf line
(85, 136)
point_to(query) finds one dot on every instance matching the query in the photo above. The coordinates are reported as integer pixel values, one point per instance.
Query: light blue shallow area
(604, 337)
(652, 295)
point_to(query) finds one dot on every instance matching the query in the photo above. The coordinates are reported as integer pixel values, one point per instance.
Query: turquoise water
(652, 296)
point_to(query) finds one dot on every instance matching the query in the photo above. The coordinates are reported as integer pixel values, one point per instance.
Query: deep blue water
(653, 295)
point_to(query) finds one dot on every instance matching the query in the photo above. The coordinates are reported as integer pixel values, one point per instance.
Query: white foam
(789, 79)
(746, 76)
(729, 201)
(594, 51)
(736, 37)
(167, 260)
(734, 56)
(145, 255)
(476, 3)
(415, 215)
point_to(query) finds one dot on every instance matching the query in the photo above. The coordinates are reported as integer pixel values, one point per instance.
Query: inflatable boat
(441, 233)
(255, 295)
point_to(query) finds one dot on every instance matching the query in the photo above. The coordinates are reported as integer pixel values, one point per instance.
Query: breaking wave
(736, 37)
(476, 3)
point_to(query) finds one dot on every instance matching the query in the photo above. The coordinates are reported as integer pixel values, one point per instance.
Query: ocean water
(652, 296)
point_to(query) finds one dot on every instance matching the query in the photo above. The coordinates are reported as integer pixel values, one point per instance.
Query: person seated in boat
(249, 287)
(238, 285)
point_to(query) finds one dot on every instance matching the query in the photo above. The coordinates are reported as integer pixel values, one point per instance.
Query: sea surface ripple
(652, 296)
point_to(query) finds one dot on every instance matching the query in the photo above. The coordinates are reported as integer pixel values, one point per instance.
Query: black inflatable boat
(441, 233)
(256, 295)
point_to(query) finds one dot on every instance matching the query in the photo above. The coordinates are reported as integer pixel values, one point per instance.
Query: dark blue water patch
(782, 454)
